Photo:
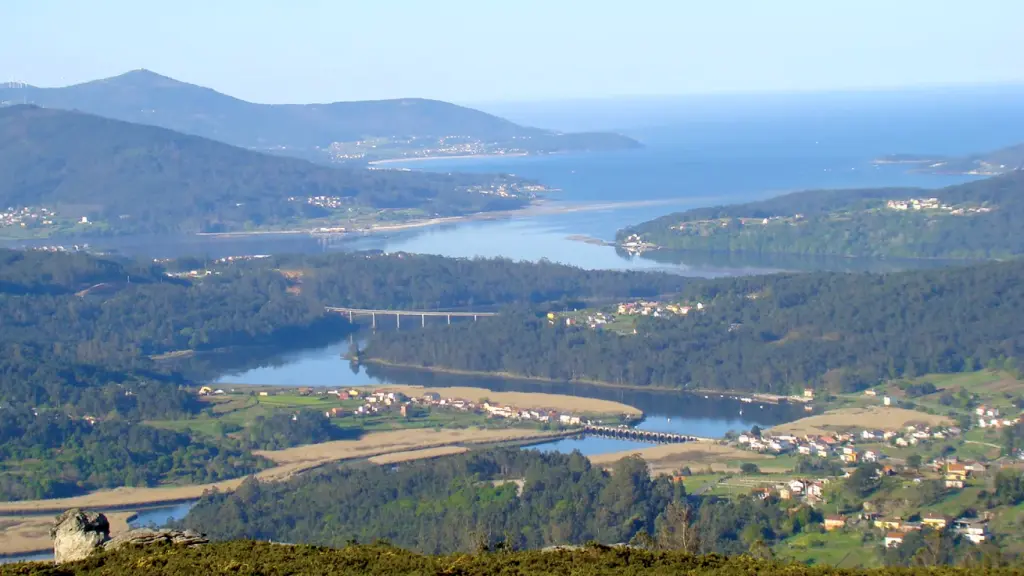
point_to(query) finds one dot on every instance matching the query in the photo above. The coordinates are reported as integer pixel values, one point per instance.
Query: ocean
(699, 151)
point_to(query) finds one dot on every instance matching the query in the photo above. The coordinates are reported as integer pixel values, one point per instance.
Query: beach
(537, 208)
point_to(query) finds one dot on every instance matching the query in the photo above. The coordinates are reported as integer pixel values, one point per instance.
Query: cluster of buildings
(844, 446)
(990, 418)
(384, 401)
(28, 216)
(633, 244)
(322, 201)
(973, 529)
(934, 204)
(809, 491)
(656, 309)
(595, 320)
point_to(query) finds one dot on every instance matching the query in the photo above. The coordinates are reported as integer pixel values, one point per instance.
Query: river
(710, 415)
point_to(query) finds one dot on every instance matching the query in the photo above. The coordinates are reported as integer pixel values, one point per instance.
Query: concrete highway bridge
(423, 314)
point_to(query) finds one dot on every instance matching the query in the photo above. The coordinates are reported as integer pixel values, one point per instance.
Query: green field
(839, 548)
(241, 409)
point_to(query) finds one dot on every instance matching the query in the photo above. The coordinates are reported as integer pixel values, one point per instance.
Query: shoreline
(538, 208)
(121, 504)
(289, 462)
(762, 397)
(454, 157)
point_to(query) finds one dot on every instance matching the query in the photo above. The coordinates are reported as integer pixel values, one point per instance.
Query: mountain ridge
(122, 177)
(398, 127)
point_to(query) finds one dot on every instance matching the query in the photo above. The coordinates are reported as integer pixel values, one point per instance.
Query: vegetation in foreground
(249, 557)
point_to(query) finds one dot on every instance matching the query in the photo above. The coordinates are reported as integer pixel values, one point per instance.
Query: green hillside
(401, 127)
(58, 167)
(979, 219)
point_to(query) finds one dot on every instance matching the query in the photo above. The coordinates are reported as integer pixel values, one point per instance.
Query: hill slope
(129, 177)
(978, 219)
(409, 126)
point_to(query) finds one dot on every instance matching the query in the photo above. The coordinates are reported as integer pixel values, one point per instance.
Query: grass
(668, 458)
(880, 417)
(526, 400)
(838, 548)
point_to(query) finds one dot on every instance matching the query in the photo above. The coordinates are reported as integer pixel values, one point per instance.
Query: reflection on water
(162, 516)
(591, 445)
(710, 415)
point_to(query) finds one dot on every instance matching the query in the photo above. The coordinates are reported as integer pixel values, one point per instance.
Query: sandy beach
(454, 157)
(539, 208)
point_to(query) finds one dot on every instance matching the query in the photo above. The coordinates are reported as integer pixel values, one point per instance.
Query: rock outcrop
(77, 533)
(142, 536)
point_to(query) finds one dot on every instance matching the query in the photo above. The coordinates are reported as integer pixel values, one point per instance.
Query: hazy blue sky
(492, 50)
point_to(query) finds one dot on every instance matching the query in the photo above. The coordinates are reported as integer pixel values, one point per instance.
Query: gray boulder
(77, 533)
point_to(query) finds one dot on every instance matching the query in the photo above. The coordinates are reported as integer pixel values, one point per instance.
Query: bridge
(638, 434)
(423, 314)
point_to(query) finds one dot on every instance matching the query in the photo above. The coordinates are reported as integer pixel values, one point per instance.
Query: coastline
(762, 397)
(537, 208)
(455, 157)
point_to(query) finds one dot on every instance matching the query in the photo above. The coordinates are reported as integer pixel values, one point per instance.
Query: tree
(676, 530)
(749, 468)
(914, 461)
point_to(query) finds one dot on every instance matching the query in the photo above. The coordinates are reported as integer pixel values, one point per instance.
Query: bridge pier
(423, 321)
(449, 319)
(398, 321)
(373, 319)
(349, 316)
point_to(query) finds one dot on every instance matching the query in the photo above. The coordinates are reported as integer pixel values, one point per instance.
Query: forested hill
(135, 178)
(777, 334)
(978, 219)
(145, 97)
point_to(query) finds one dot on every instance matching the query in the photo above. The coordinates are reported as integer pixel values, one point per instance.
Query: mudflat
(290, 461)
(526, 400)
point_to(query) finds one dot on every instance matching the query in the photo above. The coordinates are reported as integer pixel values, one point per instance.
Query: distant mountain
(992, 163)
(366, 130)
(58, 167)
(980, 219)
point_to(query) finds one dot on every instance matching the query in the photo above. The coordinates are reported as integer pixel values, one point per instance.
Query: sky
(515, 50)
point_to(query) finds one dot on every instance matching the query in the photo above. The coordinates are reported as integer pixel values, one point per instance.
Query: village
(28, 217)
(621, 317)
(935, 205)
(356, 402)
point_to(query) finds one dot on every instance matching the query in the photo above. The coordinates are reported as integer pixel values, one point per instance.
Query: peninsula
(976, 220)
